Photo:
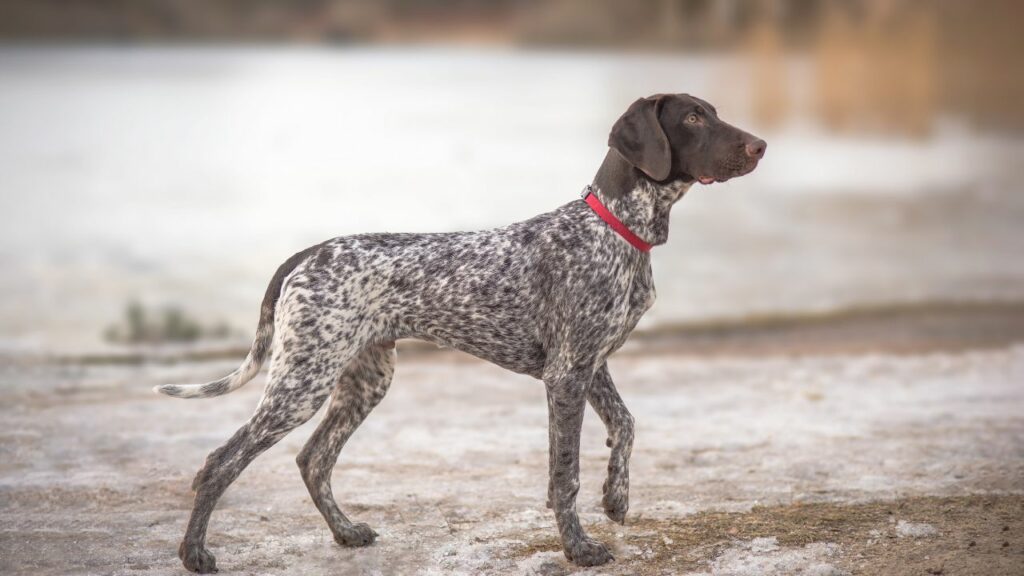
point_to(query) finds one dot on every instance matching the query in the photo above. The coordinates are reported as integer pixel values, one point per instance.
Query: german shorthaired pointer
(551, 297)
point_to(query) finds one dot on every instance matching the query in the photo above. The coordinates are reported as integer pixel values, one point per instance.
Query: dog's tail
(260, 347)
(249, 368)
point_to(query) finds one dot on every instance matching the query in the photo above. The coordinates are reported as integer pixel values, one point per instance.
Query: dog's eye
(692, 118)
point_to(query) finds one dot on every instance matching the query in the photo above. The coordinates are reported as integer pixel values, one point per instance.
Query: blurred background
(831, 380)
(158, 159)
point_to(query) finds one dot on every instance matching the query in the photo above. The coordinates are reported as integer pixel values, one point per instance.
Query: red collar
(595, 203)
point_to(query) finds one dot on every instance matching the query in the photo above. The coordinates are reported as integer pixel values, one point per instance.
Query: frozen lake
(185, 175)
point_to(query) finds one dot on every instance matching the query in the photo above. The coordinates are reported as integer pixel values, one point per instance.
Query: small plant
(168, 324)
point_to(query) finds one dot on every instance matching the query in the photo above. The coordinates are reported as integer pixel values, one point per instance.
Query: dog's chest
(638, 297)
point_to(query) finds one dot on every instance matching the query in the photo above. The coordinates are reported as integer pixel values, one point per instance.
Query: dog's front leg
(618, 421)
(567, 397)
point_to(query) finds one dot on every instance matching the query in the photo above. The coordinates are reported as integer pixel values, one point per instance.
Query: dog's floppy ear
(638, 137)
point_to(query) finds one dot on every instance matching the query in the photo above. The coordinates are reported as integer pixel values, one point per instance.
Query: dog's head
(673, 137)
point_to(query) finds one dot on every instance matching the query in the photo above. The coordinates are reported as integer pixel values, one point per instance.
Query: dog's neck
(640, 203)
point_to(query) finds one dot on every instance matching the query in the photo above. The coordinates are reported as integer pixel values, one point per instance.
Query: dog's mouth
(728, 170)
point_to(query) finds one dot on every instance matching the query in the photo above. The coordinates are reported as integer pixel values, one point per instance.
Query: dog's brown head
(673, 137)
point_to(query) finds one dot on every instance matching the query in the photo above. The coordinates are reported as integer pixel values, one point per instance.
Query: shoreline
(888, 328)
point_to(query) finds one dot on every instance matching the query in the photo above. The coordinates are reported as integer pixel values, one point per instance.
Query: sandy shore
(791, 458)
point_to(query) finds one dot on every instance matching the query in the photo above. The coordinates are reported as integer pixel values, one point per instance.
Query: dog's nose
(756, 148)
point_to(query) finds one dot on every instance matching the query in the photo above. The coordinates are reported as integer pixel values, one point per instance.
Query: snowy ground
(847, 461)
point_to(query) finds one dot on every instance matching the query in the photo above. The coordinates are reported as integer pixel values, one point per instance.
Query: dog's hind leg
(361, 387)
(605, 400)
(299, 382)
(551, 457)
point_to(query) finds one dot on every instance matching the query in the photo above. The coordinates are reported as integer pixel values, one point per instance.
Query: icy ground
(816, 465)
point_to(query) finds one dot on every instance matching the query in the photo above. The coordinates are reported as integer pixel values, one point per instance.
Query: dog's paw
(356, 536)
(196, 558)
(616, 500)
(588, 552)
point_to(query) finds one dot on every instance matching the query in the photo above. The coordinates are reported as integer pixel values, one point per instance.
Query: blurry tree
(876, 67)
(135, 319)
(879, 65)
(177, 327)
(171, 325)
(772, 100)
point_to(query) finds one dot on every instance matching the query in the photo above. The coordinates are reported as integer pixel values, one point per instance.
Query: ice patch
(764, 544)
(764, 556)
(543, 564)
(469, 558)
(906, 529)
(825, 570)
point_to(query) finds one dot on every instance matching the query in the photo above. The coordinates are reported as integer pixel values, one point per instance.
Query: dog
(551, 297)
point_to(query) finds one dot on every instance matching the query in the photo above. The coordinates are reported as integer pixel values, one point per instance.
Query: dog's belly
(500, 341)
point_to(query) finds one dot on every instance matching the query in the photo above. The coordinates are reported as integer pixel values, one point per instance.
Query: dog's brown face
(673, 137)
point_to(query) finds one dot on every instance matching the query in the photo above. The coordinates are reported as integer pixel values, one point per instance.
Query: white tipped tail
(260, 346)
(249, 368)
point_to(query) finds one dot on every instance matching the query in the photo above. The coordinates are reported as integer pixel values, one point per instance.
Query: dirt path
(837, 463)
(920, 535)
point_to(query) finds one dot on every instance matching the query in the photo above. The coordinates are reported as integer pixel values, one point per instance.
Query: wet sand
(870, 444)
